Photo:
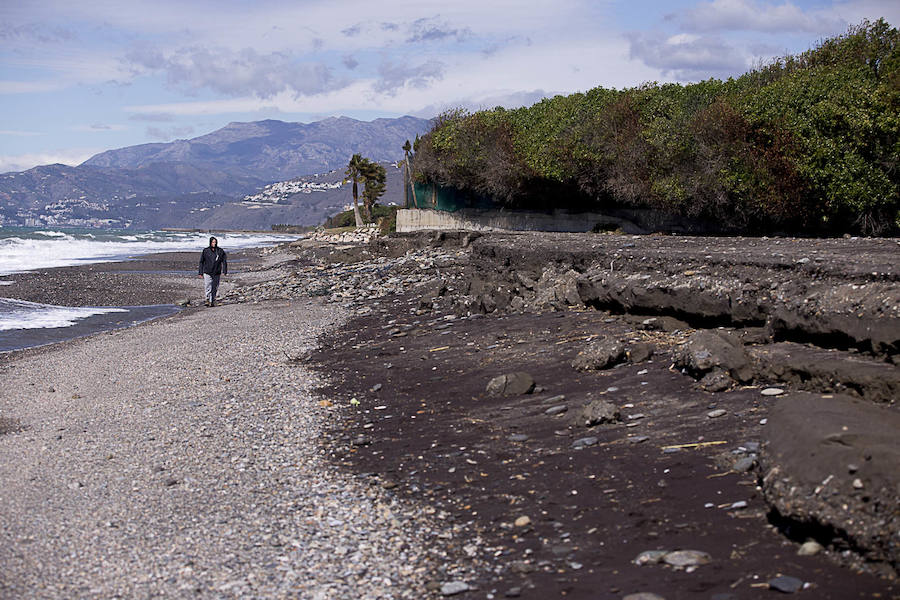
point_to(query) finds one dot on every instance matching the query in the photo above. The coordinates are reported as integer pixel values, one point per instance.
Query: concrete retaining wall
(416, 219)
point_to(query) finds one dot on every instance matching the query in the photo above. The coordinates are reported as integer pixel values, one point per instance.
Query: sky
(80, 77)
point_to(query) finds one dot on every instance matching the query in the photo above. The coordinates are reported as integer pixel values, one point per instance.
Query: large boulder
(707, 351)
(600, 354)
(511, 384)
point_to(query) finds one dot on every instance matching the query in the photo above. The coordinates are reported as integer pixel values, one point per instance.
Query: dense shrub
(807, 143)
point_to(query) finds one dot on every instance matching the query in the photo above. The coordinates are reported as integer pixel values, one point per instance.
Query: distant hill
(182, 182)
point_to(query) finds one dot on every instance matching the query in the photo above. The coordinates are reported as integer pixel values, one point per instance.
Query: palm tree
(407, 147)
(354, 173)
(374, 175)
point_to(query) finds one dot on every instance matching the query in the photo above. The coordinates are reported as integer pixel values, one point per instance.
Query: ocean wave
(38, 250)
(19, 314)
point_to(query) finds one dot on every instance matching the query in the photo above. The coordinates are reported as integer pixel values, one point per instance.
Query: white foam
(21, 253)
(18, 314)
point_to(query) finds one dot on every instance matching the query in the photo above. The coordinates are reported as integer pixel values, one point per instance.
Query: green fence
(448, 199)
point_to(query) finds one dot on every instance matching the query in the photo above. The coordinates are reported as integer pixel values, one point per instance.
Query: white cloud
(23, 162)
(17, 133)
(754, 15)
(98, 128)
(689, 58)
(28, 87)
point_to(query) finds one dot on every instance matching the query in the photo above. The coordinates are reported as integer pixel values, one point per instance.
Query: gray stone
(719, 412)
(518, 437)
(786, 584)
(743, 465)
(511, 384)
(650, 557)
(585, 442)
(705, 351)
(716, 380)
(639, 352)
(686, 558)
(599, 411)
(643, 596)
(556, 410)
(772, 391)
(601, 354)
(452, 588)
(183, 302)
(513, 592)
(810, 548)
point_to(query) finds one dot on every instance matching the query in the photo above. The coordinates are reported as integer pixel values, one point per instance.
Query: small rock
(650, 557)
(744, 464)
(772, 391)
(600, 354)
(452, 588)
(643, 596)
(511, 384)
(639, 352)
(858, 484)
(738, 505)
(375, 387)
(786, 584)
(638, 439)
(586, 442)
(556, 410)
(686, 558)
(522, 521)
(598, 412)
(713, 414)
(518, 437)
(716, 380)
(183, 302)
(513, 592)
(810, 548)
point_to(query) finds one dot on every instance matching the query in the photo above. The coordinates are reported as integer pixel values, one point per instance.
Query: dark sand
(442, 440)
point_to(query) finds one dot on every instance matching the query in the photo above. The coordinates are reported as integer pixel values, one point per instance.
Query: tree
(374, 176)
(354, 174)
(407, 148)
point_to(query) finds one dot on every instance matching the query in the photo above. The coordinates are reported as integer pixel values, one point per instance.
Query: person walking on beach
(213, 265)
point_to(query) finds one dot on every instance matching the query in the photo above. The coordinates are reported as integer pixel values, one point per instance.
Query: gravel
(181, 458)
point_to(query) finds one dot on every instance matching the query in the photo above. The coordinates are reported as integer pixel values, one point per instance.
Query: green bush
(808, 143)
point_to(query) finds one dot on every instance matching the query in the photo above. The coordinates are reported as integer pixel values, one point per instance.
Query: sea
(27, 324)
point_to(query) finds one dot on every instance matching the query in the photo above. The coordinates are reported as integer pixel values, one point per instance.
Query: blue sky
(80, 77)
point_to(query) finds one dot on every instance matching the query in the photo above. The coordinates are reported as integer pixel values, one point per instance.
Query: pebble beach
(181, 458)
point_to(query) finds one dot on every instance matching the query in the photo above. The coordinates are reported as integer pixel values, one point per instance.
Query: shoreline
(531, 501)
(152, 285)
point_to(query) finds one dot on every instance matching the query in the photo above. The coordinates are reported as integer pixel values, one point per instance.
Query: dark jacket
(213, 262)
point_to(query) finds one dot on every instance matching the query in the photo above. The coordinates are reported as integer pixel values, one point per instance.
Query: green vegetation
(384, 216)
(809, 143)
(372, 176)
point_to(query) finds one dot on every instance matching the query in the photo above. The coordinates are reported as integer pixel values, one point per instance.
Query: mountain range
(202, 182)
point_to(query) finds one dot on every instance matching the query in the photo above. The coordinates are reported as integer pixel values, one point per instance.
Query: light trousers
(210, 287)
